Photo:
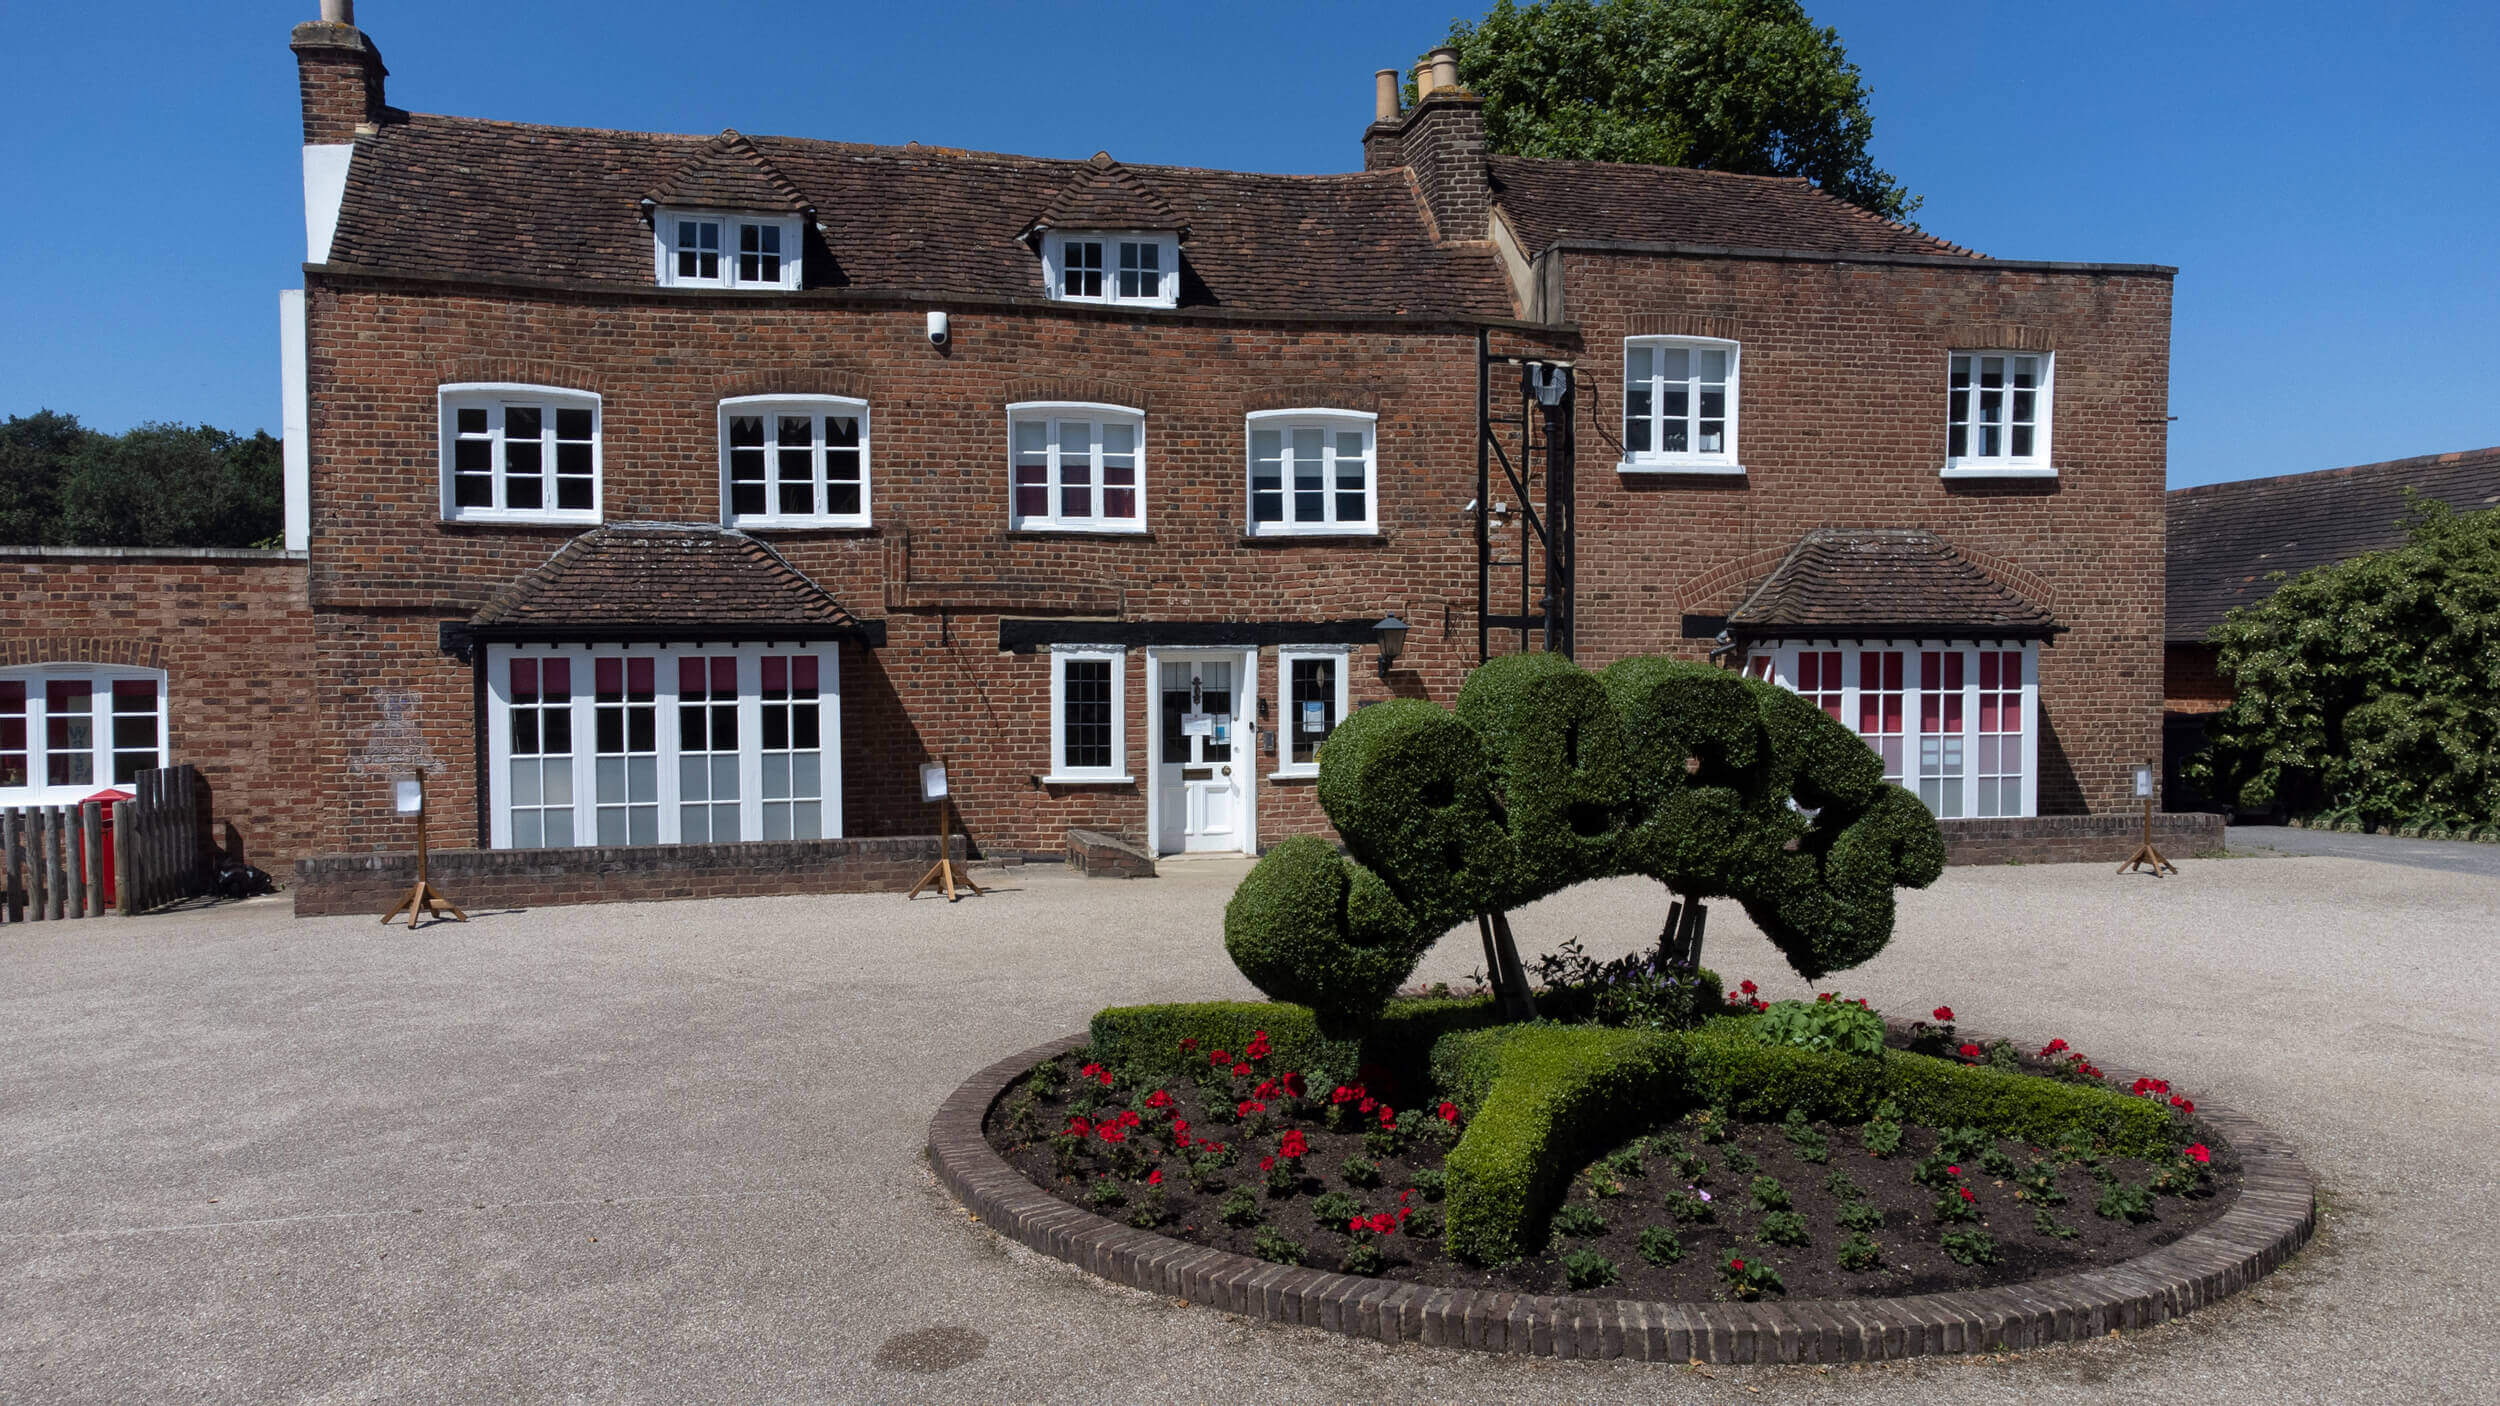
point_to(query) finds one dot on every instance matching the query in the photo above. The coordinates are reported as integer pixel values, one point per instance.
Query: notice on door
(1314, 717)
(1223, 728)
(1197, 725)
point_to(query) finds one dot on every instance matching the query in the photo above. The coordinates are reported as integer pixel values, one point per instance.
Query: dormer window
(710, 249)
(1141, 270)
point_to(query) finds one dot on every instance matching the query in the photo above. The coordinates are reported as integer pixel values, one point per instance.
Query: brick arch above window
(1724, 585)
(2030, 583)
(1078, 390)
(82, 649)
(1309, 395)
(518, 371)
(2001, 336)
(1681, 324)
(796, 380)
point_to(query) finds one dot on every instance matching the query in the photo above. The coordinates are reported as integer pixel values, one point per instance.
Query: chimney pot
(1444, 67)
(337, 11)
(1385, 95)
(1423, 79)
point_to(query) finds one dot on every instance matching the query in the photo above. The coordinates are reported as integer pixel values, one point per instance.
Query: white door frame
(1249, 692)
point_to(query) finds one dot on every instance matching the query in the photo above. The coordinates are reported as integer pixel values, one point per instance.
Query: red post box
(110, 797)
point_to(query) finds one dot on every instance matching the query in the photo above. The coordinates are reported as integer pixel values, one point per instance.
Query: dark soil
(1629, 1191)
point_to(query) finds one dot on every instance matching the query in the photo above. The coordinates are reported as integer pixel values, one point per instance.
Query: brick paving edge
(2255, 1235)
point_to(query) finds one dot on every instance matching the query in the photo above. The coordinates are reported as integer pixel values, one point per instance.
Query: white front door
(1203, 760)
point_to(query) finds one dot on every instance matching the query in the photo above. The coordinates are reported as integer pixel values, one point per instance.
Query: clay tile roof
(661, 580)
(730, 174)
(1548, 201)
(1840, 583)
(2228, 539)
(1103, 194)
(466, 198)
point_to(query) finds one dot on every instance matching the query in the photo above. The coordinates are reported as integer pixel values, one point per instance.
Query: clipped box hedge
(1147, 1039)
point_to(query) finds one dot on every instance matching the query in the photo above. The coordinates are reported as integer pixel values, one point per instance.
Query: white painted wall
(325, 190)
(295, 419)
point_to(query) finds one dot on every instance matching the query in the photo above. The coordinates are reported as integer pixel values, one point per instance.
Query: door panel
(1201, 764)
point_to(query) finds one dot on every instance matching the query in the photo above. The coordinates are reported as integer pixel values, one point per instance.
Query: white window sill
(1982, 469)
(565, 518)
(1305, 774)
(1089, 780)
(1334, 529)
(1094, 529)
(752, 523)
(1718, 468)
(1118, 302)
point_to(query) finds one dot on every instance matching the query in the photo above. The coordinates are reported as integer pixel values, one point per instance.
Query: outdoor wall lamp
(1550, 381)
(1391, 633)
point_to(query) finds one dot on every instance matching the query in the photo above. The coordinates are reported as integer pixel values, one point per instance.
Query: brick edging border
(2271, 1220)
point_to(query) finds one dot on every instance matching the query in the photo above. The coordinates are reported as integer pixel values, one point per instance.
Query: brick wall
(340, 77)
(481, 881)
(1842, 423)
(2080, 839)
(2192, 680)
(233, 633)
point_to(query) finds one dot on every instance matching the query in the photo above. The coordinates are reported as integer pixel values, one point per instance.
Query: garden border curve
(2271, 1220)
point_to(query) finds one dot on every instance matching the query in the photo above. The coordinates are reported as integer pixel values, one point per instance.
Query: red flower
(1078, 1127)
(1953, 1171)
(1129, 1118)
(2184, 1105)
(1367, 1105)
(1180, 1139)
(2199, 1153)
(1343, 1095)
(1188, 1043)
(1267, 1164)
(1111, 1132)
(2052, 1047)
(1943, 1013)
(1155, 1177)
(1257, 1048)
(1249, 1106)
(1760, 1005)
(1388, 1116)
(1967, 1196)
(1293, 1143)
(1220, 1057)
(1747, 987)
(2151, 1086)
(1822, 996)
(1355, 1225)
(1180, 1125)
(1737, 1265)
(1266, 1089)
(1294, 1084)
(1383, 1224)
(1970, 1051)
(1158, 1099)
(1403, 1213)
(1449, 1112)
(1244, 1069)
(1406, 1195)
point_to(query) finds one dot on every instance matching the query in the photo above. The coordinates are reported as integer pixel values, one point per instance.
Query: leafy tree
(2371, 686)
(1750, 86)
(35, 451)
(165, 485)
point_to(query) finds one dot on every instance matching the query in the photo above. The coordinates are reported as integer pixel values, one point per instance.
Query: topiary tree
(1544, 776)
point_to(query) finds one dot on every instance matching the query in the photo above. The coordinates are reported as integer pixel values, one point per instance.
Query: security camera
(937, 329)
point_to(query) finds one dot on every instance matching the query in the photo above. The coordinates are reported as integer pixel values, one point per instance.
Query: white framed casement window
(677, 744)
(1680, 405)
(1133, 269)
(1076, 468)
(70, 730)
(794, 461)
(1997, 413)
(724, 249)
(1311, 685)
(1088, 714)
(1956, 722)
(515, 453)
(1313, 471)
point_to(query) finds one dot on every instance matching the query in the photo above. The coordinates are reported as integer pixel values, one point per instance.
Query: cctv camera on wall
(937, 329)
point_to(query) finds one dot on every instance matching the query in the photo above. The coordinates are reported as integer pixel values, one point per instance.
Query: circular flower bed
(1330, 1201)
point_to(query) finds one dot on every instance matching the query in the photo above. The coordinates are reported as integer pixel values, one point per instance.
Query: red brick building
(686, 489)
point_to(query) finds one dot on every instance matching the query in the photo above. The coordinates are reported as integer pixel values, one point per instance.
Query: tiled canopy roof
(1549, 201)
(461, 197)
(1840, 583)
(2226, 539)
(730, 174)
(1103, 194)
(677, 581)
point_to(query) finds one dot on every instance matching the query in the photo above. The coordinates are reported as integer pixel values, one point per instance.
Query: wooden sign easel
(2147, 858)
(424, 898)
(934, 788)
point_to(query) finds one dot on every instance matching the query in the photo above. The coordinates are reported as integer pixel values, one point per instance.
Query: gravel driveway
(672, 1152)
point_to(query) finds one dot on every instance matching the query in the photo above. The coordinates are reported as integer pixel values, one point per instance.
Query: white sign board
(1314, 717)
(1223, 727)
(1197, 725)
(933, 781)
(2144, 781)
(408, 797)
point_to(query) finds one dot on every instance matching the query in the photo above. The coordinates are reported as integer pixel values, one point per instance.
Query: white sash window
(1955, 722)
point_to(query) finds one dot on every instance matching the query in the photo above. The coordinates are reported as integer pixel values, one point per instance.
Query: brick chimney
(1441, 139)
(341, 74)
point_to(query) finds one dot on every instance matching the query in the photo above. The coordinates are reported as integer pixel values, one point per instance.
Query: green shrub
(2037, 1184)
(1690, 1208)
(1422, 1222)
(1240, 1208)
(1587, 1269)
(1578, 1218)
(1859, 1215)
(1146, 1040)
(2121, 1200)
(2047, 1224)
(1363, 1258)
(1728, 1067)
(1334, 1208)
(1964, 1144)
(1661, 1246)
(1359, 1173)
(1859, 1253)
(1768, 1194)
(1150, 1210)
(1429, 1183)
(1782, 1228)
(1548, 1098)
(1881, 1137)
(1842, 1188)
(1273, 1245)
(1830, 1027)
(1748, 1277)
(1105, 1192)
(1740, 1163)
(1969, 1246)
(2027, 1108)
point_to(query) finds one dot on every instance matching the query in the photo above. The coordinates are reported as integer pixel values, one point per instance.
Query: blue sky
(2321, 174)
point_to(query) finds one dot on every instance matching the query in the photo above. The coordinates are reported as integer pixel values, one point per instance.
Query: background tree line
(159, 485)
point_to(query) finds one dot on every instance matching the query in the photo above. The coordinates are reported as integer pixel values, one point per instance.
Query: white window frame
(496, 397)
(1062, 774)
(771, 408)
(1784, 672)
(792, 229)
(1330, 423)
(582, 709)
(99, 679)
(1286, 723)
(1167, 291)
(1054, 411)
(2038, 463)
(1655, 460)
